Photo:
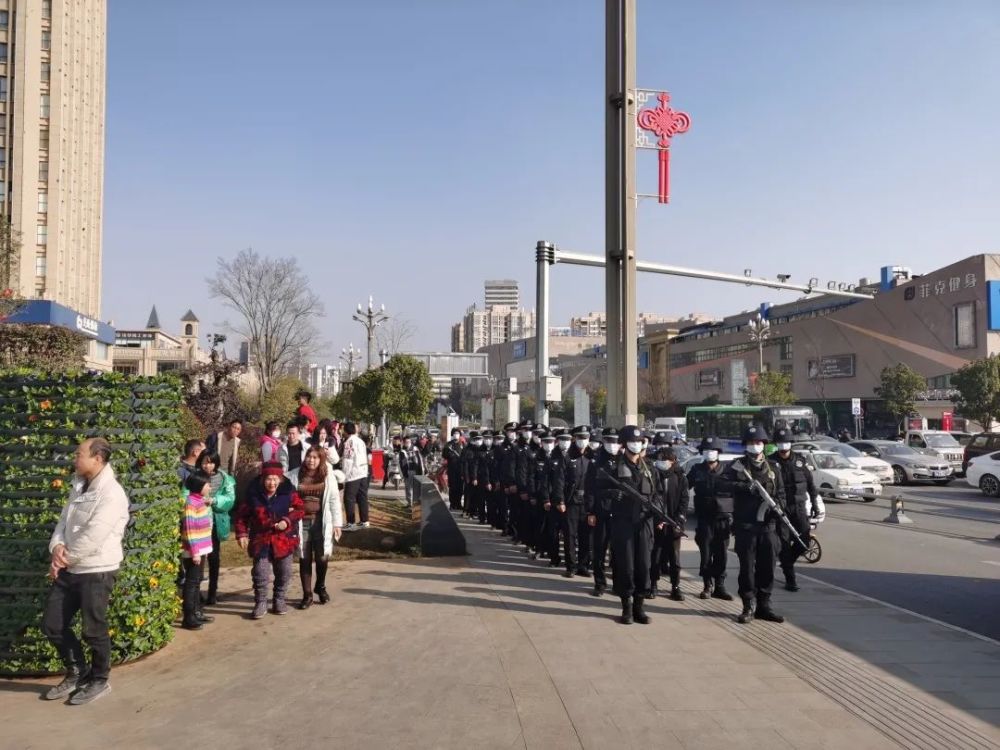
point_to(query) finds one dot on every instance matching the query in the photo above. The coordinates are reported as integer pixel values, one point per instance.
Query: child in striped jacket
(196, 543)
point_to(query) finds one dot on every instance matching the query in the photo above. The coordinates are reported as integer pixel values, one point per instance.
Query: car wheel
(990, 485)
(898, 475)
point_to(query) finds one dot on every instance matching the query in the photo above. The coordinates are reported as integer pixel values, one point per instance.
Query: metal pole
(612, 209)
(629, 351)
(544, 252)
(370, 328)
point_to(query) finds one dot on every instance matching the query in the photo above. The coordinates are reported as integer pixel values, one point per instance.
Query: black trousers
(88, 594)
(514, 517)
(214, 562)
(455, 487)
(569, 530)
(790, 549)
(192, 589)
(601, 540)
(666, 558)
(712, 537)
(529, 530)
(631, 556)
(757, 547)
(584, 536)
(356, 494)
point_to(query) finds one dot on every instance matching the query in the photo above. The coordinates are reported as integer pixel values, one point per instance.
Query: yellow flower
(138, 621)
(111, 632)
(44, 405)
(154, 582)
(156, 565)
(57, 484)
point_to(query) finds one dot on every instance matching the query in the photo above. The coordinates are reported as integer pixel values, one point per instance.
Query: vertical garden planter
(43, 416)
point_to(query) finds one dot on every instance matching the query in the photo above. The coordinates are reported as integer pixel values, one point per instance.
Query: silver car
(908, 465)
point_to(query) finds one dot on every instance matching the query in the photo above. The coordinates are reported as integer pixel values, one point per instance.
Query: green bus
(727, 423)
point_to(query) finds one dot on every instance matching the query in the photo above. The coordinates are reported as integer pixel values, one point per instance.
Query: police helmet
(755, 433)
(661, 438)
(629, 433)
(782, 435)
(708, 444)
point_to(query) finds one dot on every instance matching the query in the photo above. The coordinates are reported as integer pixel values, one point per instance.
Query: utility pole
(370, 319)
(620, 210)
(759, 331)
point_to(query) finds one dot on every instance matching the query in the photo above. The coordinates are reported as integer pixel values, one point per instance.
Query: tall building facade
(494, 325)
(501, 292)
(52, 102)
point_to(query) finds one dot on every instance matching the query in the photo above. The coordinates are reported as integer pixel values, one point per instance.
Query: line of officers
(574, 495)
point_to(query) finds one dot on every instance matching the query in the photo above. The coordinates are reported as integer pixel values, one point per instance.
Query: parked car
(878, 468)
(984, 442)
(963, 438)
(835, 473)
(938, 443)
(984, 472)
(908, 465)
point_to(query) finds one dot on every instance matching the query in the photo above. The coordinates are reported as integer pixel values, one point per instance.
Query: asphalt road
(946, 564)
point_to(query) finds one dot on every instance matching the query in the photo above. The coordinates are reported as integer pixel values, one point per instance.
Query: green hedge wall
(43, 416)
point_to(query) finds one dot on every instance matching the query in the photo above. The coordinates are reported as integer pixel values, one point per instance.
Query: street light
(760, 331)
(371, 319)
(349, 356)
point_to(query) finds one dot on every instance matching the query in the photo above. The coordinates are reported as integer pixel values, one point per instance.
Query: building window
(39, 265)
(3, 52)
(43, 201)
(43, 139)
(43, 106)
(3, 89)
(43, 171)
(46, 72)
(46, 8)
(46, 39)
(42, 235)
(965, 325)
(3, 158)
(39, 289)
(4, 19)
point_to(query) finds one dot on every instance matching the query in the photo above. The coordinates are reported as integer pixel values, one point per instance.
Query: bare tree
(394, 334)
(277, 307)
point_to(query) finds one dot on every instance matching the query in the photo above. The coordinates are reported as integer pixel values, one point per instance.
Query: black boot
(790, 584)
(746, 615)
(203, 618)
(626, 610)
(720, 591)
(764, 612)
(599, 589)
(676, 594)
(654, 592)
(706, 592)
(637, 610)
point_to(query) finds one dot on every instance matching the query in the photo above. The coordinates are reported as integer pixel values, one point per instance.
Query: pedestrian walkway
(498, 651)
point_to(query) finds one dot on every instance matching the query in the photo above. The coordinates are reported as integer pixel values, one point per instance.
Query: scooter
(393, 473)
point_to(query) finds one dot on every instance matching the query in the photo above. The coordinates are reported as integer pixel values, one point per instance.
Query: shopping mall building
(836, 347)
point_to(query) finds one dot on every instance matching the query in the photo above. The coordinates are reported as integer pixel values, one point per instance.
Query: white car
(881, 470)
(834, 473)
(984, 472)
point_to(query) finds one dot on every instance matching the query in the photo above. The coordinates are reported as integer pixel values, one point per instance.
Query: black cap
(709, 444)
(561, 432)
(629, 433)
(609, 432)
(544, 434)
(510, 426)
(525, 424)
(782, 435)
(754, 433)
(661, 439)
(487, 433)
(581, 430)
(473, 434)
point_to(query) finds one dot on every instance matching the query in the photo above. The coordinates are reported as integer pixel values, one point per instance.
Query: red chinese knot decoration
(665, 123)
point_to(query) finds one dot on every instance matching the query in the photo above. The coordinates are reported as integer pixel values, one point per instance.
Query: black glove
(615, 496)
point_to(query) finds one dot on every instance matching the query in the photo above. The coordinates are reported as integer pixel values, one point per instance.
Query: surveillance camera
(783, 277)
(747, 272)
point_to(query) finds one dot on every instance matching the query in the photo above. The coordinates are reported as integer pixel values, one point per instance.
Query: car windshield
(897, 450)
(845, 450)
(831, 461)
(941, 441)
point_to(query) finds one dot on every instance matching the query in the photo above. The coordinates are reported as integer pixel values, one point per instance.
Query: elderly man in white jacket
(86, 549)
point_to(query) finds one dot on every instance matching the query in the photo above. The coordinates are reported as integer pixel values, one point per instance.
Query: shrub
(48, 348)
(42, 418)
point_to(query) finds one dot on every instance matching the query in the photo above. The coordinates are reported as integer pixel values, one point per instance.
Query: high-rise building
(596, 323)
(52, 86)
(458, 336)
(501, 292)
(323, 380)
(494, 325)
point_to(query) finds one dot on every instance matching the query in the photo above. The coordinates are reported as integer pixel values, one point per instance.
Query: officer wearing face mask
(713, 507)
(800, 494)
(631, 527)
(598, 506)
(672, 493)
(452, 454)
(755, 527)
(487, 472)
(525, 481)
(549, 483)
(470, 473)
(575, 530)
(558, 515)
(594, 443)
(506, 489)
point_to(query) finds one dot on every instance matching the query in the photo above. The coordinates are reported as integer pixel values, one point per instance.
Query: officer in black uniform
(713, 508)
(598, 507)
(556, 515)
(575, 529)
(470, 473)
(525, 483)
(506, 477)
(800, 498)
(488, 470)
(452, 454)
(631, 526)
(549, 478)
(754, 524)
(672, 493)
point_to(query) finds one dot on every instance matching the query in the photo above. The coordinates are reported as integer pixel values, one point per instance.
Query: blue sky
(411, 150)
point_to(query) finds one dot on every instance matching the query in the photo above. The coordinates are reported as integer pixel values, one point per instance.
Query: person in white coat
(322, 524)
(355, 467)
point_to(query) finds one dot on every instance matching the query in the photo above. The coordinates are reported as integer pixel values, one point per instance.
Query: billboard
(836, 366)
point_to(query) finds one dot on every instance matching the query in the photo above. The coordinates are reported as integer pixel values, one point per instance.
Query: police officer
(525, 483)
(470, 473)
(487, 474)
(754, 524)
(672, 492)
(549, 478)
(631, 526)
(556, 516)
(506, 463)
(598, 506)
(452, 454)
(801, 497)
(575, 529)
(713, 507)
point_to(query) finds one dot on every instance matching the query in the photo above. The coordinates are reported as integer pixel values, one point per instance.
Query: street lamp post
(760, 331)
(371, 319)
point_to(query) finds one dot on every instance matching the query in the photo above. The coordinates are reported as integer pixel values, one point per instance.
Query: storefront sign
(46, 312)
(709, 378)
(924, 289)
(836, 366)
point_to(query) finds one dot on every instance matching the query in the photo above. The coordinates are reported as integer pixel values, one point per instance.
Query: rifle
(769, 504)
(647, 506)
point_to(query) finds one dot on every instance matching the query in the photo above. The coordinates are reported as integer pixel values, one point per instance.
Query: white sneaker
(366, 525)
(350, 527)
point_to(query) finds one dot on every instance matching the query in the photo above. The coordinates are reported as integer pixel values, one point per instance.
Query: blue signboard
(993, 304)
(520, 349)
(46, 312)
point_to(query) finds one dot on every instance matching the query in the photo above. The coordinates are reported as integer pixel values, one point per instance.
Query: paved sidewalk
(497, 651)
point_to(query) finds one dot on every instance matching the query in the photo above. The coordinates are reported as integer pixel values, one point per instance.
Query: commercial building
(151, 350)
(835, 348)
(501, 293)
(493, 325)
(52, 89)
(596, 323)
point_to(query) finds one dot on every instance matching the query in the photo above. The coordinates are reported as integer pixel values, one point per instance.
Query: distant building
(596, 323)
(494, 325)
(501, 293)
(151, 350)
(323, 380)
(458, 336)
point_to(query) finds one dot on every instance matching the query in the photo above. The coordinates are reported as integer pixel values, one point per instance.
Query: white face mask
(755, 449)
(613, 448)
(512, 436)
(634, 446)
(488, 443)
(477, 442)
(663, 465)
(455, 437)
(548, 447)
(526, 436)
(581, 443)
(276, 434)
(564, 445)
(784, 446)
(711, 456)
(595, 444)
(536, 440)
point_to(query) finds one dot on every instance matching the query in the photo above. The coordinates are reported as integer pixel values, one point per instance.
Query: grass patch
(394, 533)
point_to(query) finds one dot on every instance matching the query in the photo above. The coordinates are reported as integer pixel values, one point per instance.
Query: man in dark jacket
(800, 497)
(713, 508)
(548, 495)
(505, 459)
(754, 524)
(470, 473)
(598, 507)
(574, 528)
(487, 479)
(672, 492)
(452, 454)
(525, 468)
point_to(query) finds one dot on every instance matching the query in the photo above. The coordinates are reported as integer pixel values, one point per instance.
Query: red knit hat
(271, 469)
